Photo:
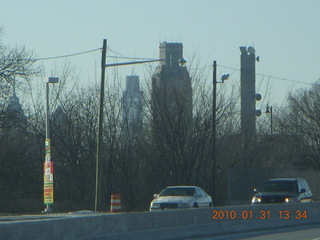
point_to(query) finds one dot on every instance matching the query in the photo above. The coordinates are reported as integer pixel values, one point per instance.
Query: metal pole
(98, 186)
(48, 164)
(214, 125)
(271, 124)
(269, 110)
(47, 131)
(100, 126)
(47, 111)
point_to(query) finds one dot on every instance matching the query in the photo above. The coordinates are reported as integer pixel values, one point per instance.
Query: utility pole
(100, 126)
(98, 187)
(214, 130)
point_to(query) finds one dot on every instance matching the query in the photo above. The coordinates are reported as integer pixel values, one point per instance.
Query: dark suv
(283, 190)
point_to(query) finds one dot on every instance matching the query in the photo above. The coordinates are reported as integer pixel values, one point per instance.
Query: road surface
(307, 232)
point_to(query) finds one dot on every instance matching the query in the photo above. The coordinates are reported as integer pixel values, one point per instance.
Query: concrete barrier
(173, 224)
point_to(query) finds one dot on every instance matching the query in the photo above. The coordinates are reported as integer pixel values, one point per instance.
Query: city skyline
(284, 34)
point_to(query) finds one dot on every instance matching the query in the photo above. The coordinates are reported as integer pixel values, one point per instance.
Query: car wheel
(210, 205)
(195, 205)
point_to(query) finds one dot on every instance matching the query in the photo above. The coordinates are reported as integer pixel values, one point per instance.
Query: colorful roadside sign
(48, 193)
(48, 172)
(48, 175)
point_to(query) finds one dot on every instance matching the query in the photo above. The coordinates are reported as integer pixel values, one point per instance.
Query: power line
(67, 55)
(133, 58)
(115, 52)
(283, 79)
(93, 50)
(121, 56)
(269, 76)
(140, 58)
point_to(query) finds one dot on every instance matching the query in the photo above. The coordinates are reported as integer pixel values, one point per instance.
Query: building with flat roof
(248, 92)
(171, 90)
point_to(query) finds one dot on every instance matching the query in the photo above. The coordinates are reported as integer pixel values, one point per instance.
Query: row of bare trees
(137, 164)
(18, 169)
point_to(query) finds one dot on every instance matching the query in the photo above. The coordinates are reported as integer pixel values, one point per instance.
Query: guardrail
(172, 224)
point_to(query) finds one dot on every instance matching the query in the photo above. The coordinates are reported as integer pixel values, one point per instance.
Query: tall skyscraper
(171, 90)
(132, 105)
(14, 112)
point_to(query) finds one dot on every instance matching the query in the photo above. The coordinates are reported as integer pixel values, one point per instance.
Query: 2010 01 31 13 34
(262, 214)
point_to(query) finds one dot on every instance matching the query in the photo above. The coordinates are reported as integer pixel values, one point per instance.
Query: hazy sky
(285, 34)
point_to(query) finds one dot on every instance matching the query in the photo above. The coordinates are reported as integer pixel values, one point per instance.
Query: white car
(174, 197)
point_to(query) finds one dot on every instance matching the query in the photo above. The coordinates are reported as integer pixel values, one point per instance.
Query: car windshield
(279, 186)
(177, 192)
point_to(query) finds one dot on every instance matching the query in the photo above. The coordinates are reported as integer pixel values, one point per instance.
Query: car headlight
(290, 199)
(256, 200)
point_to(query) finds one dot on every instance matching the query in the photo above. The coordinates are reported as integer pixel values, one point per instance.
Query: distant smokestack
(248, 91)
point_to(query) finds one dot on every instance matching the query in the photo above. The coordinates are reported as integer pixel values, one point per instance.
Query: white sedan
(174, 197)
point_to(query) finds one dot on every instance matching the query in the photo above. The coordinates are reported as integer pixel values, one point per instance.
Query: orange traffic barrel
(115, 203)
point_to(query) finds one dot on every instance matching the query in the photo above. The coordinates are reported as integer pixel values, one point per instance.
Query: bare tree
(300, 122)
(16, 64)
(18, 166)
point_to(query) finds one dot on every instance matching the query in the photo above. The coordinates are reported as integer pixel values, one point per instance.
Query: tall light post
(48, 164)
(269, 110)
(214, 124)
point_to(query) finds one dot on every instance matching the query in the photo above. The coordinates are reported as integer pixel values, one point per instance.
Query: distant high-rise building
(171, 90)
(59, 119)
(132, 105)
(14, 112)
(248, 91)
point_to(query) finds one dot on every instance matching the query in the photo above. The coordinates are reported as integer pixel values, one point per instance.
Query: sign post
(48, 164)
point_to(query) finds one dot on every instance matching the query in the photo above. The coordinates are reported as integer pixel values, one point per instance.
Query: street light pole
(98, 187)
(214, 126)
(48, 164)
(269, 110)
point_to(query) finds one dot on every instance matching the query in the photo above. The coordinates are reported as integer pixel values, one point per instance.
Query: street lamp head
(225, 77)
(268, 109)
(182, 62)
(53, 80)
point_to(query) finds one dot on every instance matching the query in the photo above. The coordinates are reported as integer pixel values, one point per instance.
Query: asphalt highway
(307, 232)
